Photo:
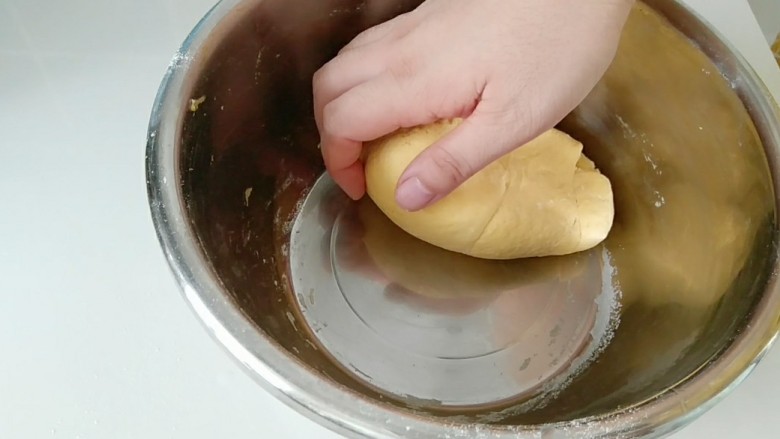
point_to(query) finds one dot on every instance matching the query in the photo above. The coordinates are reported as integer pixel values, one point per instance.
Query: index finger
(342, 160)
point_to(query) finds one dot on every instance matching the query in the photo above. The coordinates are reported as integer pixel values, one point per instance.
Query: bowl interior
(688, 257)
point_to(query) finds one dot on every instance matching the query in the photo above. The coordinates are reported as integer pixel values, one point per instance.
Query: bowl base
(437, 329)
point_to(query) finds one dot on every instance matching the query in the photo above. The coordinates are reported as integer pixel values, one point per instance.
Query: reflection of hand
(425, 270)
(450, 306)
(352, 253)
(512, 68)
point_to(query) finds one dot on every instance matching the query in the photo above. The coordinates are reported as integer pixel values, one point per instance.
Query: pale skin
(511, 68)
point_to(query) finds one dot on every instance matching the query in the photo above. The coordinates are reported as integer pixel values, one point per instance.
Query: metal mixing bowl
(375, 334)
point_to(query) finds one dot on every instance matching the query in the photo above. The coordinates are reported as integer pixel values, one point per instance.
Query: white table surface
(96, 340)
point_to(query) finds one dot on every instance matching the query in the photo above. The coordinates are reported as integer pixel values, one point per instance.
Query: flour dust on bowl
(375, 334)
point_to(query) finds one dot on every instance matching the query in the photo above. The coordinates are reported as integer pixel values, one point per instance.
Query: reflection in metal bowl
(431, 327)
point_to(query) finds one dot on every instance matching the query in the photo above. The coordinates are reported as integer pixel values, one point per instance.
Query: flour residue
(602, 333)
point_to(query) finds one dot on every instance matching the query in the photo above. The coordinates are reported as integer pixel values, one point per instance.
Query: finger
(398, 98)
(478, 141)
(352, 180)
(342, 73)
(378, 107)
(342, 160)
(366, 112)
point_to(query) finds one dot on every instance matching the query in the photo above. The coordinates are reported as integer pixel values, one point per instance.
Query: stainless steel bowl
(374, 334)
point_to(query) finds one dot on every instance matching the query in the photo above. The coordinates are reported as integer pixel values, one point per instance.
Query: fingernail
(413, 195)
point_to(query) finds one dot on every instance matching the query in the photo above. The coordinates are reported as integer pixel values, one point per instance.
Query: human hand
(512, 69)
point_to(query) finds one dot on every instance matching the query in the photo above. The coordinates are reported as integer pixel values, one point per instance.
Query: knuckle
(512, 104)
(404, 67)
(515, 120)
(321, 78)
(367, 34)
(316, 78)
(524, 115)
(453, 169)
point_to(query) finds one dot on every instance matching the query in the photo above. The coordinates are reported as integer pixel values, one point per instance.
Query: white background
(768, 15)
(95, 340)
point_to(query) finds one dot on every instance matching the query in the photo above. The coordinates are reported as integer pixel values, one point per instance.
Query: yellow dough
(544, 198)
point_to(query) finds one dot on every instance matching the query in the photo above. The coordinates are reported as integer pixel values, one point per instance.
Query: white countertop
(96, 340)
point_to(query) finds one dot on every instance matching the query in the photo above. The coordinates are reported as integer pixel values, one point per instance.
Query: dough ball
(544, 198)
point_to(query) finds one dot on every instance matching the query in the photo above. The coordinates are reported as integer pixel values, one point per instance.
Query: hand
(512, 68)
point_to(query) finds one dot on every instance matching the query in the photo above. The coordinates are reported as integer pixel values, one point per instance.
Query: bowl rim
(349, 413)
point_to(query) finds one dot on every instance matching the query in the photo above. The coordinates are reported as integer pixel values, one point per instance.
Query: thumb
(477, 142)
